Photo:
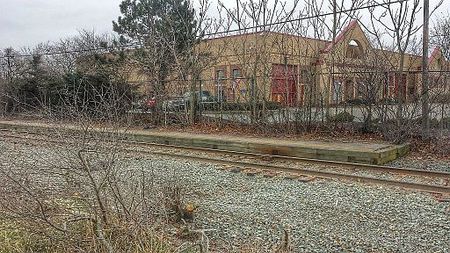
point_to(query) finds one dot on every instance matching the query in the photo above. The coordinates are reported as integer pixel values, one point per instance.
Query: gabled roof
(341, 35)
(266, 32)
(434, 55)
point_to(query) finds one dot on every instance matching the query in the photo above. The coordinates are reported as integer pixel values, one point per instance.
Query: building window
(304, 76)
(233, 93)
(412, 90)
(361, 89)
(220, 84)
(354, 50)
(386, 85)
(220, 74)
(435, 81)
(391, 85)
(400, 86)
(336, 90)
(236, 74)
(349, 89)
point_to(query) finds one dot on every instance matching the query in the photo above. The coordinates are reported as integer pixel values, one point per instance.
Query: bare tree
(75, 190)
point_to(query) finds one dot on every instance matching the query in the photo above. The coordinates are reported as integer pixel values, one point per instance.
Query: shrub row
(240, 106)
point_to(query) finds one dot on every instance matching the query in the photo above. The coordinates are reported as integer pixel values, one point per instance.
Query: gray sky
(28, 22)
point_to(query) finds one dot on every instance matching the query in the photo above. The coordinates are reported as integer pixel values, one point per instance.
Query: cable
(66, 52)
(308, 17)
(292, 77)
(125, 46)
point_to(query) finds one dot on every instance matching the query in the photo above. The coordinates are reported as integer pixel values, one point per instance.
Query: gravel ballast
(431, 164)
(319, 216)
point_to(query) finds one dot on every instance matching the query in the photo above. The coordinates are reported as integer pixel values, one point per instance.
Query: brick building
(291, 69)
(294, 70)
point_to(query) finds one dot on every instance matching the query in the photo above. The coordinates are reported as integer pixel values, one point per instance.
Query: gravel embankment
(431, 164)
(320, 216)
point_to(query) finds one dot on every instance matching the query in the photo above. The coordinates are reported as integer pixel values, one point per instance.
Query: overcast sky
(28, 22)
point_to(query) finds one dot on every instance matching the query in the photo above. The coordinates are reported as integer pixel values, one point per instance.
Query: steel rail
(315, 173)
(308, 172)
(376, 168)
(371, 167)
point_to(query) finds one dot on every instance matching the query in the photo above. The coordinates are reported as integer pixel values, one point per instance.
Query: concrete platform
(368, 153)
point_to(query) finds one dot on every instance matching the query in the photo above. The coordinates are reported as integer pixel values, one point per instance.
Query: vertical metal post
(332, 85)
(8, 105)
(193, 100)
(200, 104)
(334, 21)
(425, 74)
(253, 100)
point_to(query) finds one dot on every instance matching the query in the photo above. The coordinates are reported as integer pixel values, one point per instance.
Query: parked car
(150, 103)
(203, 97)
(171, 104)
(174, 104)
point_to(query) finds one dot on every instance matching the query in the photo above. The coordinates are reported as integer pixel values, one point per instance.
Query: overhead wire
(131, 46)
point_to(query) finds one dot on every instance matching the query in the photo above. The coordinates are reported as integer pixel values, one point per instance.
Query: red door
(284, 84)
(400, 86)
(302, 95)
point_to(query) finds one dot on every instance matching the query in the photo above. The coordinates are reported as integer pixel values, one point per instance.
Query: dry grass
(18, 237)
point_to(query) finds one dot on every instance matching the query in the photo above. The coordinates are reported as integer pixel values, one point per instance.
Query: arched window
(354, 49)
(440, 64)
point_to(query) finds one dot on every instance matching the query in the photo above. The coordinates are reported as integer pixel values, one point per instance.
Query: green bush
(389, 101)
(96, 94)
(240, 106)
(342, 117)
(356, 101)
(434, 122)
(442, 99)
(446, 122)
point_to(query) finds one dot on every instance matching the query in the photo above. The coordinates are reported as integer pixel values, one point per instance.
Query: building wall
(264, 64)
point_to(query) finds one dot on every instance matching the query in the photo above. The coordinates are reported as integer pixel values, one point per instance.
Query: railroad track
(167, 150)
(370, 167)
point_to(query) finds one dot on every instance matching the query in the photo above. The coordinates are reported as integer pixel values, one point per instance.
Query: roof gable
(434, 55)
(351, 32)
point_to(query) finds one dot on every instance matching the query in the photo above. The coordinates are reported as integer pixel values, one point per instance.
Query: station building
(294, 70)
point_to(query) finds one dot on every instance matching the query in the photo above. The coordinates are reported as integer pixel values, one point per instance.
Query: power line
(130, 46)
(440, 35)
(307, 17)
(295, 76)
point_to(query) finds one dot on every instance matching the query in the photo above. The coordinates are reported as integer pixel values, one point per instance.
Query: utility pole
(8, 103)
(9, 64)
(331, 88)
(334, 21)
(425, 74)
(193, 99)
